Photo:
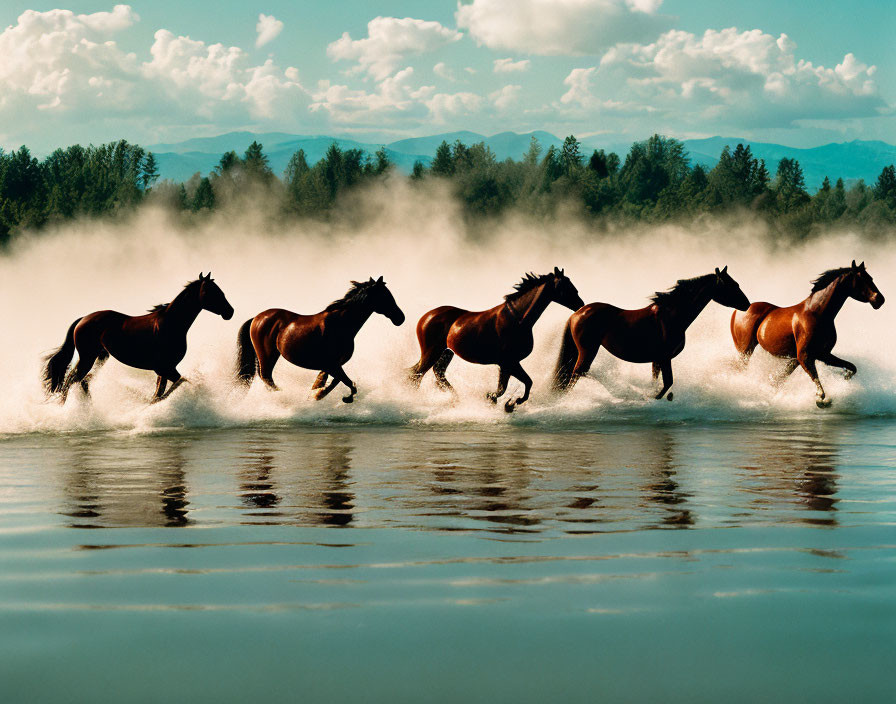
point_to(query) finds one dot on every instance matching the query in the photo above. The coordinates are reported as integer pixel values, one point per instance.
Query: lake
(644, 560)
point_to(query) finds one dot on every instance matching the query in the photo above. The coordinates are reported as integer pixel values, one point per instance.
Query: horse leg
(833, 361)
(583, 365)
(266, 361)
(100, 361)
(323, 391)
(503, 378)
(338, 374)
(779, 377)
(517, 371)
(656, 371)
(161, 383)
(808, 365)
(176, 380)
(320, 381)
(666, 369)
(439, 370)
(81, 370)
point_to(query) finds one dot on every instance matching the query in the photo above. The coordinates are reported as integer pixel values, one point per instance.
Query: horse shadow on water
(156, 341)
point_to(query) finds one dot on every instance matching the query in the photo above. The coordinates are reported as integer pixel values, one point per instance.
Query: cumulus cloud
(749, 76)
(442, 71)
(389, 41)
(445, 106)
(394, 99)
(506, 97)
(510, 66)
(560, 26)
(268, 28)
(58, 63)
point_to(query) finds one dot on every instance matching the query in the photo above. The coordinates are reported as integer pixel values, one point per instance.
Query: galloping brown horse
(653, 334)
(804, 333)
(501, 335)
(156, 341)
(323, 341)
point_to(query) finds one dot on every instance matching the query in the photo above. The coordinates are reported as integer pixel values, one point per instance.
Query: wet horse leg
(161, 383)
(781, 375)
(320, 381)
(833, 361)
(323, 391)
(517, 371)
(503, 378)
(77, 375)
(666, 369)
(100, 361)
(339, 375)
(439, 370)
(267, 358)
(176, 380)
(808, 365)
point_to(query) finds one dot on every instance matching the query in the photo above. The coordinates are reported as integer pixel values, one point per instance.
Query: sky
(800, 72)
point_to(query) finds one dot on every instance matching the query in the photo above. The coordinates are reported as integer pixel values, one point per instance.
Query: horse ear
(725, 270)
(717, 271)
(556, 271)
(862, 266)
(380, 280)
(854, 264)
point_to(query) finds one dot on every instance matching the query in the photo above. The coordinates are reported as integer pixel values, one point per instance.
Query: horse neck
(527, 309)
(686, 311)
(353, 317)
(181, 313)
(829, 300)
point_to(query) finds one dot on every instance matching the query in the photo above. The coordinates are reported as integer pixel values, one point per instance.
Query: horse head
(863, 288)
(383, 301)
(564, 292)
(727, 291)
(212, 298)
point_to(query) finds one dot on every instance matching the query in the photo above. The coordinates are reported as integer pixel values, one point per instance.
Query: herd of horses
(802, 334)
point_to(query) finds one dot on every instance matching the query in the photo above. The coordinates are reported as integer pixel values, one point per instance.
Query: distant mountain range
(848, 160)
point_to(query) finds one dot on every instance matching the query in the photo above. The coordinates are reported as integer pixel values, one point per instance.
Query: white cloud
(748, 77)
(560, 26)
(63, 68)
(445, 106)
(442, 71)
(506, 97)
(394, 99)
(510, 66)
(268, 28)
(389, 40)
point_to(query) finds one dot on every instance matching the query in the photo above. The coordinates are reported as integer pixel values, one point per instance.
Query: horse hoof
(669, 396)
(491, 397)
(509, 406)
(823, 402)
(348, 399)
(849, 375)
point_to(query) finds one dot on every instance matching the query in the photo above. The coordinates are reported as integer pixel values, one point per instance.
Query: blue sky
(800, 73)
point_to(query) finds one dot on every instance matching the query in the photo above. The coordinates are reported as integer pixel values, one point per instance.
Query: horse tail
(566, 362)
(247, 359)
(57, 362)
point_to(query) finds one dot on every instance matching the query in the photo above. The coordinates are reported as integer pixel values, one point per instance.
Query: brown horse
(653, 334)
(156, 341)
(501, 335)
(804, 333)
(323, 341)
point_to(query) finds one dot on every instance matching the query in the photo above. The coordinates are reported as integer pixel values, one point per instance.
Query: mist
(418, 240)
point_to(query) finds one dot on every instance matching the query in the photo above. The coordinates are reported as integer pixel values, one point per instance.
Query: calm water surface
(638, 562)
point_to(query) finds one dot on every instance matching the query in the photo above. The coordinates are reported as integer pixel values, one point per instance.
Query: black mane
(356, 294)
(682, 288)
(162, 306)
(528, 282)
(828, 277)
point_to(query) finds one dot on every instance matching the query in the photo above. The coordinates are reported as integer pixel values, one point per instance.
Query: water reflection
(501, 481)
(797, 467)
(115, 486)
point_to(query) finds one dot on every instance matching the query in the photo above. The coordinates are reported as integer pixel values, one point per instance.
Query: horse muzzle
(227, 314)
(877, 300)
(575, 304)
(397, 318)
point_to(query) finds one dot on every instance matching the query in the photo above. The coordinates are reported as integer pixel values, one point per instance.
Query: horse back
(432, 328)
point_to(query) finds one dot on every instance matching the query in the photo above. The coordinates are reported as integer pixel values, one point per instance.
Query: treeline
(654, 182)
